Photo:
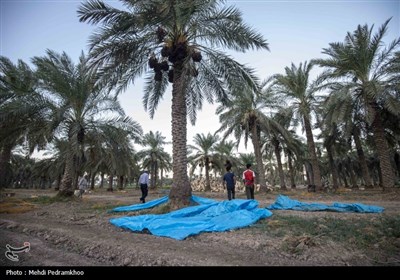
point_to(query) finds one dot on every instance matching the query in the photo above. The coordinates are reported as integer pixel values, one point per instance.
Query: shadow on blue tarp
(209, 216)
(285, 203)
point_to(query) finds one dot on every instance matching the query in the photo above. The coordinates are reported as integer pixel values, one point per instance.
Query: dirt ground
(78, 233)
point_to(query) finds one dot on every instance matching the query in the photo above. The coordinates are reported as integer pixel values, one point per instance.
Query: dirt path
(78, 233)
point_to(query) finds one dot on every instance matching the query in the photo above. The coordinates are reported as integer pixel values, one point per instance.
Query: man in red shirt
(248, 180)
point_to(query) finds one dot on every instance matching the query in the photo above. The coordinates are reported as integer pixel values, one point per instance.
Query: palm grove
(72, 110)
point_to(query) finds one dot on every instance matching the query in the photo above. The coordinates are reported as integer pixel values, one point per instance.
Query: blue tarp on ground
(141, 206)
(202, 200)
(208, 217)
(285, 203)
(159, 201)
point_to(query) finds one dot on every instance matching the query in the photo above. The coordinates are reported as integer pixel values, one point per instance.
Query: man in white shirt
(144, 182)
(83, 185)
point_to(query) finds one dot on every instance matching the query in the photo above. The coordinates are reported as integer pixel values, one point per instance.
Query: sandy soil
(78, 233)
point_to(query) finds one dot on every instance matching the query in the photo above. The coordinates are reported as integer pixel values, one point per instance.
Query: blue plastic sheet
(141, 206)
(202, 200)
(285, 203)
(156, 202)
(212, 216)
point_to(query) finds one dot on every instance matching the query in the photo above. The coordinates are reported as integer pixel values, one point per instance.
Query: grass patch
(367, 233)
(158, 210)
(45, 199)
(15, 206)
(12, 205)
(161, 209)
(105, 206)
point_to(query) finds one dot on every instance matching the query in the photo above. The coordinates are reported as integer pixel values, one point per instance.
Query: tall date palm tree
(296, 86)
(247, 116)
(23, 113)
(80, 105)
(178, 42)
(365, 68)
(204, 153)
(153, 155)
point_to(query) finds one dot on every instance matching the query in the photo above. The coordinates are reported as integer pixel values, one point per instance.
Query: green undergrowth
(370, 232)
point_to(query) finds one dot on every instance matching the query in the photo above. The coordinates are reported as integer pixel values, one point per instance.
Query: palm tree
(330, 134)
(363, 66)
(244, 116)
(114, 139)
(55, 155)
(108, 148)
(22, 167)
(279, 138)
(79, 106)
(183, 39)
(295, 85)
(23, 113)
(164, 166)
(154, 156)
(293, 150)
(342, 108)
(204, 153)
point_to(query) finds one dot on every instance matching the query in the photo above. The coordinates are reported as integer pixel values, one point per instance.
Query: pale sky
(295, 30)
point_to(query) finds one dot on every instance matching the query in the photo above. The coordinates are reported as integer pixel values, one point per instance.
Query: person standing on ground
(229, 179)
(144, 182)
(248, 180)
(83, 184)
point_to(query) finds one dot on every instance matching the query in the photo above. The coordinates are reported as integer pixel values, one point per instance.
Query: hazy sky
(295, 30)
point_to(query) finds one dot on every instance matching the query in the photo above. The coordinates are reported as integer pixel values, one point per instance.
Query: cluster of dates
(173, 53)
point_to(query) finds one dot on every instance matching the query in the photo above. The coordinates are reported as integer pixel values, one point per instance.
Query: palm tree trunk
(162, 177)
(332, 167)
(58, 183)
(382, 148)
(275, 142)
(76, 178)
(291, 171)
(181, 192)
(361, 158)
(374, 171)
(346, 183)
(110, 183)
(101, 180)
(42, 182)
(397, 163)
(309, 175)
(313, 155)
(92, 180)
(257, 152)
(153, 175)
(66, 187)
(353, 180)
(120, 182)
(156, 175)
(5, 168)
(207, 168)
